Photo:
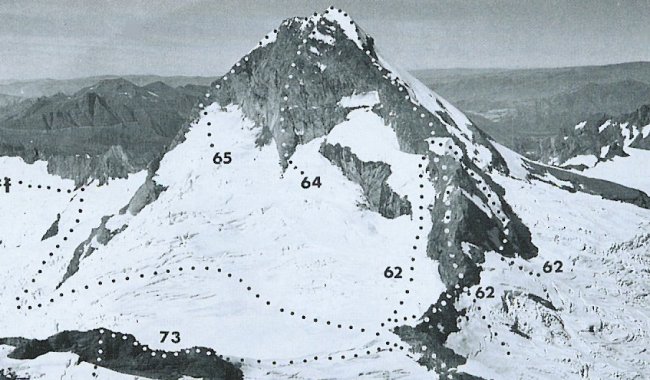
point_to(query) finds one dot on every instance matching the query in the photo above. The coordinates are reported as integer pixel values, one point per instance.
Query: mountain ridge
(76, 133)
(521, 107)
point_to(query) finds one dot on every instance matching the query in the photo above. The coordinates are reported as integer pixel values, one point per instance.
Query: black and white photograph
(340, 189)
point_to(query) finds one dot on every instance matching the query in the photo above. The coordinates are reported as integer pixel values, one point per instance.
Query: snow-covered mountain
(325, 216)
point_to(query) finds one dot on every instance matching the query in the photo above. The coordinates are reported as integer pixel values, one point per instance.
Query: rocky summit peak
(110, 86)
(333, 26)
(317, 60)
(316, 73)
(293, 86)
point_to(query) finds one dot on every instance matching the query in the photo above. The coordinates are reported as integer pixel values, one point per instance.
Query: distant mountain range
(527, 108)
(110, 128)
(47, 87)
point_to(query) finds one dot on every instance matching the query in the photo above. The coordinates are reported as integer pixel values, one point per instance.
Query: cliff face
(292, 86)
(114, 163)
(372, 177)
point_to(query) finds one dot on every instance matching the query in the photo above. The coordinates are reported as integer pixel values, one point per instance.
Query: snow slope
(630, 171)
(258, 224)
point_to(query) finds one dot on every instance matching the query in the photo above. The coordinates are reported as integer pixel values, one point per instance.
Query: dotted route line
(387, 346)
(194, 268)
(302, 172)
(45, 187)
(450, 150)
(49, 188)
(164, 354)
(421, 207)
(63, 239)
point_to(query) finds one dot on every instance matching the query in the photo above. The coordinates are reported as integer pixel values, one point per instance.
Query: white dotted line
(352, 354)
(50, 255)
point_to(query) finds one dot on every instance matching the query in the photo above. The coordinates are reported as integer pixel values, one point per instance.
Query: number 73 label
(175, 336)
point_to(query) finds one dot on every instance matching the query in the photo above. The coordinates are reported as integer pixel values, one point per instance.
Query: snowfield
(313, 252)
(631, 171)
(310, 252)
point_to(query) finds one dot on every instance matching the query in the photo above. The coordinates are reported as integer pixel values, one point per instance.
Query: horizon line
(8, 81)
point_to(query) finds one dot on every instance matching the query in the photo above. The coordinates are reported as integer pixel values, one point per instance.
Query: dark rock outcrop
(600, 187)
(146, 194)
(371, 176)
(101, 234)
(54, 228)
(123, 356)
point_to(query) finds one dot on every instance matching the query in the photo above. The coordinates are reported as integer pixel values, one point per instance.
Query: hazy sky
(75, 38)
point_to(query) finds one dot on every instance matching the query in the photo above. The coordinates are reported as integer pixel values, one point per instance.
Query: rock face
(124, 356)
(101, 235)
(329, 57)
(54, 228)
(573, 182)
(372, 177)
(107, 130)
(600, 139)
(114, 163)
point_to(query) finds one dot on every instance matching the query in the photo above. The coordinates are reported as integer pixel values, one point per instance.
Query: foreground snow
(313, 252)
(308, 251)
